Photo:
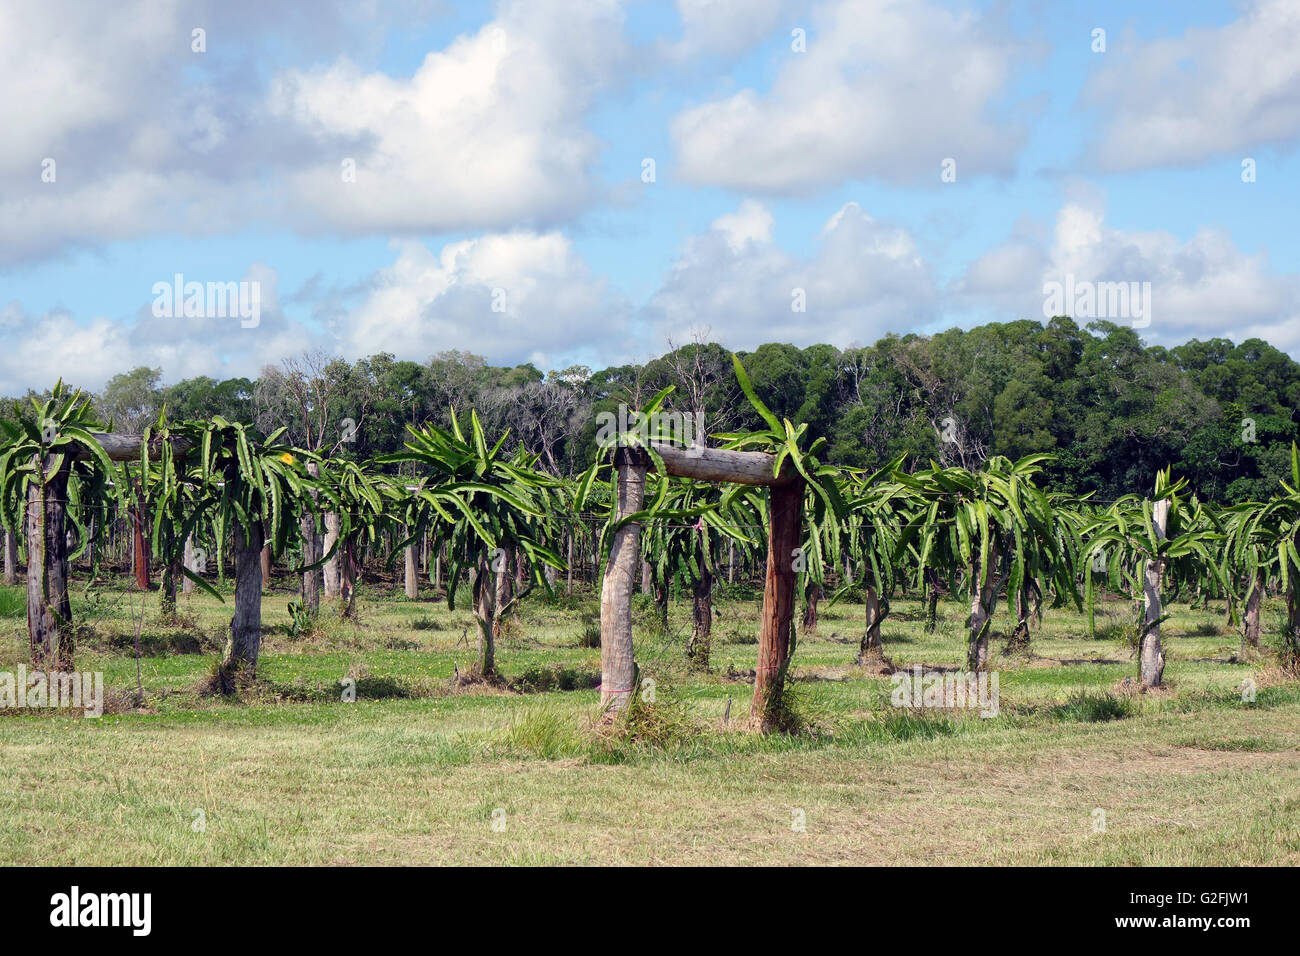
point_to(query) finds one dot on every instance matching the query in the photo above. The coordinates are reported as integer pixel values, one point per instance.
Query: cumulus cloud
(865, 278)
(1201, 287)
(149, 137)
(489, 132)
(510, 297)
(885, 90)
(750, 223)
(724, 27)
(1208, 92)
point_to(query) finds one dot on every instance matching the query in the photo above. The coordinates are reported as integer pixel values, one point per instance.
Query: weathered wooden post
(412, 577)
(1251, 628)
(311, 552)
(786, 516)
(245, 638)
(333, 578)
(191, 562)
(872, 648)
(49, 610)
(140, 548)
(617, 664)
(568, 581)
(503, 568)
(266, 566)
(349, 571)
(1151, 654)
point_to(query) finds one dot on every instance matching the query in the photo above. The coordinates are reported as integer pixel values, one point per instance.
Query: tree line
(1110, 410)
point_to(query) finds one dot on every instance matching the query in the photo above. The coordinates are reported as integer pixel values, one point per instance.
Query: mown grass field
(419, 771)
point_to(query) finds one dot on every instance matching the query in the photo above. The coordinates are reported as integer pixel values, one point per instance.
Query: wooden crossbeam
(126, 447)
(721, 464)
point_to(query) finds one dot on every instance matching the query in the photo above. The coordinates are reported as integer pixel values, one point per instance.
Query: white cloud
(1206, 93)
(63, 73)
(506, 297)
(750, 223)
(119, 206)
(864, 279)
(885, 89)
(149, 137)
(724, 27)
(489, 132)
(1200, 288)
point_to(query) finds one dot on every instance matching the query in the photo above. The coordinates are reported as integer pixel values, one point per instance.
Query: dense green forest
(1111, 409)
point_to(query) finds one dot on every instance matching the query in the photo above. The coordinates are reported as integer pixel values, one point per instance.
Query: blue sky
(499, 151)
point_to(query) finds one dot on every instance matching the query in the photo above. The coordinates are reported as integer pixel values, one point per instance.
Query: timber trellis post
(785, 513)
(1151, 654)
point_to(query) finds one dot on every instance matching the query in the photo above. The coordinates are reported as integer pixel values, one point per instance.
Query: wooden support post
(485, 611)
(786, 516)
(311, 552)
(245, 640)
(191, 562)
(872, 648)
(503, 569)
(568, 582)
(333, 579)
(49, 610)
(617, 664)
(1151, 654)
(140, 549)
(411, 575)
(348, 571)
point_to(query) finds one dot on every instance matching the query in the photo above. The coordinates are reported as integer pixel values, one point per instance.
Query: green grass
(418, 769)
(13, 602)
